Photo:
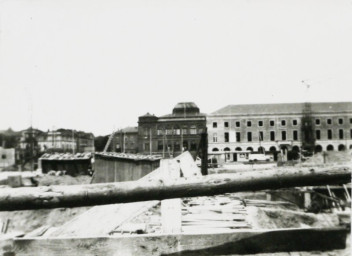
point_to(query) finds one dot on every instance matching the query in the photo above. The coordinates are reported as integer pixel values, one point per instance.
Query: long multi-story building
(280, 127)
(171, 134)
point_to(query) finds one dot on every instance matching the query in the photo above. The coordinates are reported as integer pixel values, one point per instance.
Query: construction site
(148, 205)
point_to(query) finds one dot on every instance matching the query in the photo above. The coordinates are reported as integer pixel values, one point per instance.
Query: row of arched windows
(318, 148)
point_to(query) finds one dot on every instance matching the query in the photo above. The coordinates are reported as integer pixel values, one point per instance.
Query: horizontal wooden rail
(237, 242)
(123, 192)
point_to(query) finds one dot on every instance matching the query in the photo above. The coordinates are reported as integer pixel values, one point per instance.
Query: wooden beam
(238, 242)
(124, 192)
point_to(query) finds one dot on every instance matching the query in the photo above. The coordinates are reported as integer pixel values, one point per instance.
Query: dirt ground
(27, 221)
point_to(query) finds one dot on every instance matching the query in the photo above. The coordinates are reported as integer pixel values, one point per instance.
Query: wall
(7, 157)
(117, 169)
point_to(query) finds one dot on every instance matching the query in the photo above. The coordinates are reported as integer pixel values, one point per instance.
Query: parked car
(260, 157)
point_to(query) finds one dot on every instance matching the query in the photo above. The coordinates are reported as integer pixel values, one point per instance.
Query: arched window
(295, 148)
(261, 150)
(238, 149)
(227, 149)
(215, 150)
(330, 148)
(250, 149)
(272, 149)
(341, 147)
(318, 149)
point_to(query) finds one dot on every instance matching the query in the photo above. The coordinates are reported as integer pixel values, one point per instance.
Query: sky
(96, 65)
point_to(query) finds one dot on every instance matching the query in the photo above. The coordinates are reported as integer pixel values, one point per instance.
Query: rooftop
(283, 108)
(135, 157)
(67, 156)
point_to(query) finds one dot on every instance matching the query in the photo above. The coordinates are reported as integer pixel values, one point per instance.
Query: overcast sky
(98, 65)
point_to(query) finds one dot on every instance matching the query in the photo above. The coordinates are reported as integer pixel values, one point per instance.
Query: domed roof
(185, 108)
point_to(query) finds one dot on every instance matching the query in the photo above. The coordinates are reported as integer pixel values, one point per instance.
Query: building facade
(272, 128)
(126, 140)
(171, 134)
(66, 140)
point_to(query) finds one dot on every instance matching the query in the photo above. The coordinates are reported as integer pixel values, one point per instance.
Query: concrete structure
(7, 157)
(273, 127)
(116, 167)
(171, 134)
(126, 140)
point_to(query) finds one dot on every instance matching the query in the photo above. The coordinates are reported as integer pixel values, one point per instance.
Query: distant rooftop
(66, 156)
(283, 108)
(128, 156)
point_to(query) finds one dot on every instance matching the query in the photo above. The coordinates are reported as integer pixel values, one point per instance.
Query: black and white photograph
(175, 127)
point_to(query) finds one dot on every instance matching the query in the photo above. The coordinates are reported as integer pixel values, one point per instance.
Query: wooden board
(240, 242)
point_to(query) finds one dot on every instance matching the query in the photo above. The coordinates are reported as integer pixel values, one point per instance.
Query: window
(340, 120)
(329, 134)
(283, 135)
(160, 145)
(177, 130)
(193, 130)
(272, 123)
(177, 146)
(351, 133)
(146, 146)
(3, 156)
(249, 123)
(238, 136)
(295, 135)
(350, 120)
(184, 130)
(272, 136)
(185, 145)
(168, 131)
(261, 136)
(328, 121)
(317, 134)
(283, 122)
(260, 123)
(215, 124)
(146, 131)
(160, 131)
(226, 136)
(238, 124)
(340, 134)
(294, 122)
(226, 124)
(317, 121)
(249, 136)
(215, 137)
(193, 145)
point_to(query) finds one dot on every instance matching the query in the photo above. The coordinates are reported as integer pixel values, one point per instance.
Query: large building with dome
(169, 135)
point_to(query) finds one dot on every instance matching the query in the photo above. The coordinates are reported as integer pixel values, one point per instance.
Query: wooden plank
(239, 242)
(170, 208)
(124, 192)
